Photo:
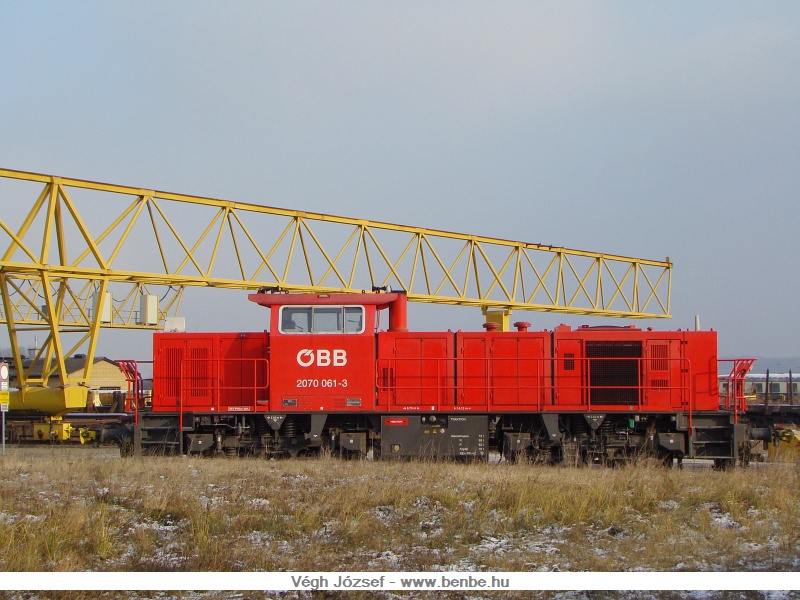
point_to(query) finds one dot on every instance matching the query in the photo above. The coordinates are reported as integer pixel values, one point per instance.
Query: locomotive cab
(320, 345)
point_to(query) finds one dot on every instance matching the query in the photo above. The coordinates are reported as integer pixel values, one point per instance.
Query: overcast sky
(646, 129)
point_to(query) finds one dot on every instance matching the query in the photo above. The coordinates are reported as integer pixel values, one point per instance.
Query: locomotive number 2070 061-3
(324, 383)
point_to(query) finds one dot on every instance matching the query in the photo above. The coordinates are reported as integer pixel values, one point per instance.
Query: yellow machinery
(80, 256)
(787, 443)
(56, 430)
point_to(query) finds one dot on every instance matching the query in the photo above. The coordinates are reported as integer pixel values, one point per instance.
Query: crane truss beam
(81, 239)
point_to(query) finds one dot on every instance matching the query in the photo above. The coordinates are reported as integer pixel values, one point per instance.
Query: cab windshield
(322, 319)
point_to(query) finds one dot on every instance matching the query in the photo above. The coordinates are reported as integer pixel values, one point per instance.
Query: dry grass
(95, 513)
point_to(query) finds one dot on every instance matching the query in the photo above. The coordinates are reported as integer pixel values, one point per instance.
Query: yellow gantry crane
(77, 256)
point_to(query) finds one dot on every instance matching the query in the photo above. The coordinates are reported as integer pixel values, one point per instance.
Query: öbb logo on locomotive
(322, 357)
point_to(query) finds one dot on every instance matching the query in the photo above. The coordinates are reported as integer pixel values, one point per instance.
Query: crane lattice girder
(290, 253)
(80, 240)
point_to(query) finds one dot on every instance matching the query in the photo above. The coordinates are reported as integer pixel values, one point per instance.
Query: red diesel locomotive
(327, 376)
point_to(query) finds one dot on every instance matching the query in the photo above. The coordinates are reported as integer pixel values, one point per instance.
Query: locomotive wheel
(620, 460)
(125, 448)
(573, 455)
(745, 453)
(516, 457)
(346, 454)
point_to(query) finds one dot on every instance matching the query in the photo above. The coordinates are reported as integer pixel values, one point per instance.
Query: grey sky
(646, 129)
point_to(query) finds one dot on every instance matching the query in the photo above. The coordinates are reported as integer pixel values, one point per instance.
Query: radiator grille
(614, 377)
(172, 381)
(197, 373)
(659, 355)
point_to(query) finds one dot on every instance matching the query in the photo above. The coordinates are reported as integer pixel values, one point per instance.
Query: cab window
(327, 320)
(295, 319)
(322, 319)
(353, 319)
